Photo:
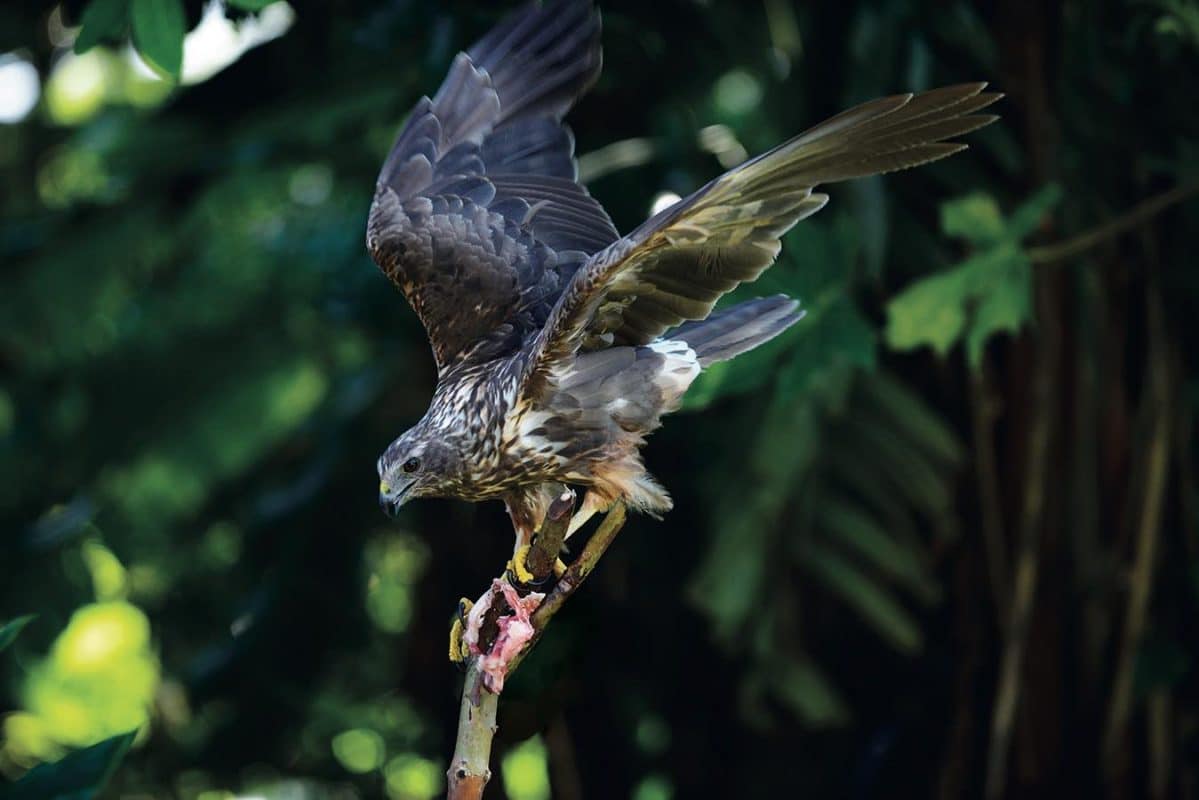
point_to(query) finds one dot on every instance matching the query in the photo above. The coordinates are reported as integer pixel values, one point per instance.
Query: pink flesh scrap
(515, 632)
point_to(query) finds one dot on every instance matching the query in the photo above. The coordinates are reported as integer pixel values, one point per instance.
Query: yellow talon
(458, 650)
(559, 568)
(518, 567)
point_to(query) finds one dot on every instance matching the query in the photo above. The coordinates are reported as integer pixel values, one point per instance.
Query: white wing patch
(679, 372)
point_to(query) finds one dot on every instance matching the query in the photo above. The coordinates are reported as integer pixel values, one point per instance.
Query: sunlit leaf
(10, 629)
(79, 776)
(101, 19)
(525, 771)
(158, 28)
(929, 312)
(988, 293)
(1002, 295)
(975, 218)
(251, 5)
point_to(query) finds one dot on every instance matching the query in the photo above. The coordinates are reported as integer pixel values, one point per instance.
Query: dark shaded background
(890, 572)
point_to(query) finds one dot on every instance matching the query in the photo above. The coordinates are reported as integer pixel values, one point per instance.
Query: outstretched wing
(478, 216)
(676, 265)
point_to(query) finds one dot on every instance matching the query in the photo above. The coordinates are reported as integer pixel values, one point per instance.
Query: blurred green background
(939, 540)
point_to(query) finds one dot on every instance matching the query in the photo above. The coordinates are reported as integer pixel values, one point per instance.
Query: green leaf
(802, 686)
(101, 19)
(79, 776)
(848, 525)
(1003, 297)
(158, 28)
(989, 293)
(929, 312)
(833, 336)
(975, 218)
(250, 5)
(728, 584)
(1027, 218)
(865, 596)
(10, 629)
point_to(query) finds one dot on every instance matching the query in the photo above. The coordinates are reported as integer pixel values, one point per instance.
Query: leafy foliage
(200, 366)
(80, 776)
(10, 629)
(988, 293)
(158, 32)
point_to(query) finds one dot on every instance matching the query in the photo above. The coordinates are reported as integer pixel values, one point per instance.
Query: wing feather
(478, 217)
(677, 264)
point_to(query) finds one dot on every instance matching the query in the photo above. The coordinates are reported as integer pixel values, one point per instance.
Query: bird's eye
(411, 465)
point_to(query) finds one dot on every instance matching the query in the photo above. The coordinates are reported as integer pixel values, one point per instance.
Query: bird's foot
(458, 649)
(518, 568)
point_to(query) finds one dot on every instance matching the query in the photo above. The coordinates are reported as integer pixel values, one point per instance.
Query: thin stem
(1062, 251)
(1148, 535)
(574, 576)
(1028, 558)
(984, 407)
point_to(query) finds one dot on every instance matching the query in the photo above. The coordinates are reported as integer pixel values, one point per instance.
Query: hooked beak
(392, 497)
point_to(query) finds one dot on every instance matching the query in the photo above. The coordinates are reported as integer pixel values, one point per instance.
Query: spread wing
(478, 216)
(676, 265)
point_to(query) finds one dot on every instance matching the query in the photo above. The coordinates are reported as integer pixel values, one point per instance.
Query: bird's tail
(738, 329)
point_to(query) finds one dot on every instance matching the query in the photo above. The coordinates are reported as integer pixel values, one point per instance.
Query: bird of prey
(559, 343)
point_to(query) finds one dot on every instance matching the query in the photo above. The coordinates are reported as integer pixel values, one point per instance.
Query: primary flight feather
(560, 344)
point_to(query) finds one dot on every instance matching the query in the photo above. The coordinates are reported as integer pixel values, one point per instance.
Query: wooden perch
(469, 768)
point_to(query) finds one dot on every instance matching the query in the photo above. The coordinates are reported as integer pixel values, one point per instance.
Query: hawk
(560, 344)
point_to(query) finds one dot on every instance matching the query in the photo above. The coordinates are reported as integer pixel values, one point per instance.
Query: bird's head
(421, 463)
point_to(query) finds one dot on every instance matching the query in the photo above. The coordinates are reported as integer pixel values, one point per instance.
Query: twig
(469, 768)
(574, 576)
(1061, 251)
(564, 769)
(984, 407)
(1007, 694)
(1158, 410)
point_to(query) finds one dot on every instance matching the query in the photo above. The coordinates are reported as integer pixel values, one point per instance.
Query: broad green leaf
(250, 5)
(1003, 298)
(929, 312)
(988, 293)
(873, 602)
(79, 776)
(10, 629)
(158, 28)
(101, 19)
(975, 218)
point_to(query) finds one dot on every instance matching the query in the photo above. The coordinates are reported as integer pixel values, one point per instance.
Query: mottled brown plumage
(560, 345)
